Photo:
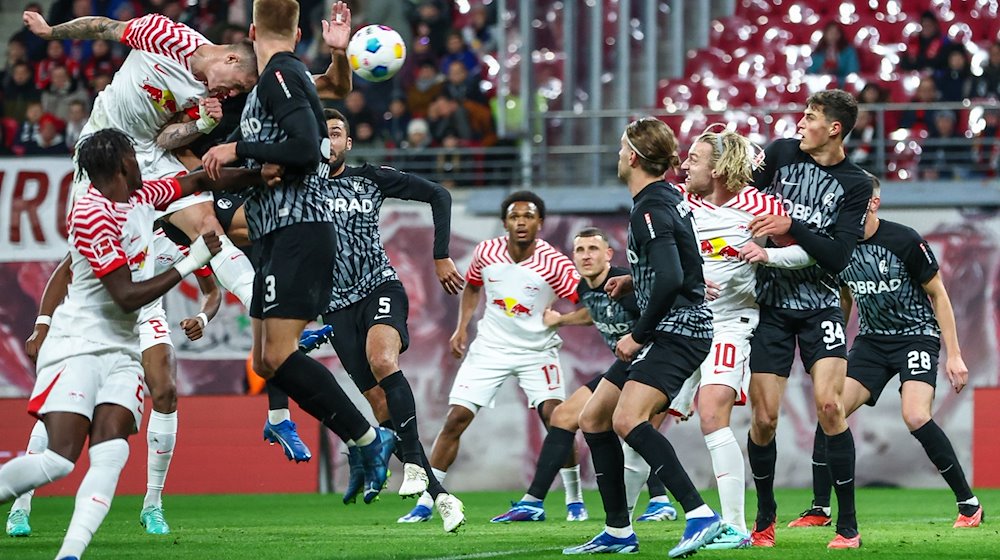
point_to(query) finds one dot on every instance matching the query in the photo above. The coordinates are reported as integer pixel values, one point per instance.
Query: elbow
(126, 303)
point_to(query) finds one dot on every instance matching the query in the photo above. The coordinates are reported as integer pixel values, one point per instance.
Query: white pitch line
(495, 554)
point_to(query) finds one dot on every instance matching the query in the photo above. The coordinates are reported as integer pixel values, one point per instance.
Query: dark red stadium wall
(986, 437)
(220, 450)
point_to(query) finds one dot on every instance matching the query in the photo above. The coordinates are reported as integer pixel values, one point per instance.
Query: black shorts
(667, 361)
(386, 305)
(617, 374)
(226, 205)
(820, 334)
(294, 272)
(874, 361)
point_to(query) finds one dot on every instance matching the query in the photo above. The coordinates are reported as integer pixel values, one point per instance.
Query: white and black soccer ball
(376, 53)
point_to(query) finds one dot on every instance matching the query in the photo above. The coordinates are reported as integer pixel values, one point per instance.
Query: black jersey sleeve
(404, 186)
(629, 304)
(773, 155)
(835, 254)
(917, 255)
(283, 91)
(653, 229)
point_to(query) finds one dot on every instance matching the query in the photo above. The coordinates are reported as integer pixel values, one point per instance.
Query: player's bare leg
(715, 408)
(766, 390)
(160, 369)
(446, 445)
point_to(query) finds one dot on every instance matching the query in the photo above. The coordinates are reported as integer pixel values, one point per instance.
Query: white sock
(234, 271)
(440, 475)
(38, 442)
(161, 436)
(530, 498)
(727, 462)
(571, 483)
(973, 501)
(636, 474)
(426, 500)
(700, 511)
(93, 499)
(278, 415)
(367, 438)
(619, 532)
(28, 472)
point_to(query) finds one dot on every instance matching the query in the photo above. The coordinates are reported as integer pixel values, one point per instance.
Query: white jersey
(517, 294)
(153, 85)
(164, 254)
(722, 231)
(104, 236)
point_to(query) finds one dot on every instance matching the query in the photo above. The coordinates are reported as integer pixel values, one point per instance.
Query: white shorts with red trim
(728, 363)
(76, 375)
(539, 374)
(153, 326)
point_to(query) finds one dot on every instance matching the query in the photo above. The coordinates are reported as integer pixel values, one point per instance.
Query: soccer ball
(376, 53)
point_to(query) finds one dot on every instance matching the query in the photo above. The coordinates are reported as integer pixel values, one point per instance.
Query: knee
(563, 417)
(624, 422)
(56, 466)
(271, 361)
(828, 408)
(383, 364)
(915, 419)
(714, 422)
(765, 422)
(207, 220)
(164, 396)
(260, 367)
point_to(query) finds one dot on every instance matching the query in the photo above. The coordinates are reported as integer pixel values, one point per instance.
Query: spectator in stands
(101, 61)
(428, 85)
(20, 92)
(986, 145)
(16, 52)
(392, 13)
(48, 141)
(874, 93)
(955, 82)
(458, 51)
(834, 54)
(433, 19)
(34, 44)
(946, 153)
(5, 142)
(921, 120)
(988, 84)
(416, 55)
(927, 49)
(470, 122)
(100, 82)
(462, 86)
(479, 33)
(75, 122)
(364, 136)
(414, 157)
(61, 92)
(449, 166)
(55, 56)
(357, 112)
(29, 127)
(395, 121)
(861, 141)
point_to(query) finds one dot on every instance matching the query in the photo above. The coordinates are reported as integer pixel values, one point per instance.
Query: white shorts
(154, 163)
(153, 327)
(728, 363)
(71, 380)
(190, 200)
(484, 370)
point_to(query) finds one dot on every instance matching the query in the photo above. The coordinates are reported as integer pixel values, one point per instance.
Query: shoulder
(490, 249)
(545, 249)
(92, 212)
(783, 148)
(894, 233)
(755, 202)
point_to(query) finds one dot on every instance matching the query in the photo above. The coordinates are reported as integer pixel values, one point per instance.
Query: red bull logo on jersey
(139, 260)
(512, 308)
(163, 99)
(718, 248)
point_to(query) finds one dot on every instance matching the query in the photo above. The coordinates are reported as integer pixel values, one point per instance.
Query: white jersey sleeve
(158, 34)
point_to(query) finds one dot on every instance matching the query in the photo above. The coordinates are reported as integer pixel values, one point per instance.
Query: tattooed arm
(185, 129)
(90, 27)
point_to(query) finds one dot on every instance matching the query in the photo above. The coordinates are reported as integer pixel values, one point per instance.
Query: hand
(448, 275)
(37, 24)
(627, 348)
(712, 290)
(753, 253)
(619, 286)
(34, 342)
(271, 173)
(551, 318)
(211, 107)
(193, 328)
(337, 31)
(458, 343)
(217, 157)
(212, 241)
(958, 374)
(770, 224)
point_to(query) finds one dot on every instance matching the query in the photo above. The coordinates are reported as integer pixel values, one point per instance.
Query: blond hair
(734, 157)
(276, 18)
(655, 144)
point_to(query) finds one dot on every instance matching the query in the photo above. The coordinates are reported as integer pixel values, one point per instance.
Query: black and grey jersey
(361, 263)
(285, 87)
(660, 212)
(825, 199)
(613, 318)
(886, 277)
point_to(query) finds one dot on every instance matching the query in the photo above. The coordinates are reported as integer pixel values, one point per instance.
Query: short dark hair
(248, 57)
(836, 105)
(101, 154)
(593, 231)
(335, 115)
(522, 196)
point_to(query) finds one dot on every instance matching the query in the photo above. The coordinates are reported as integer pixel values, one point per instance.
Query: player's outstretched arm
(336, 83)
(579, 316)
(194, 327)
(89, 27)
(52, 296)
(130, 296)
(229, 179)
(186, 129)
(955, 368)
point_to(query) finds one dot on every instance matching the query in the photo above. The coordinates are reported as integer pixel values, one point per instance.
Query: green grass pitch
(895, 524)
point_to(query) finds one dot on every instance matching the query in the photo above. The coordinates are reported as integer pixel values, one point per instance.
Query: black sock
(942, 454)
(403, 411)
(656, 487)
(313, 387)
(556, 449)
(762, 462)
(840, 456)
(276, 398)
(395, 452)
(609, 468)
(434, 487)
(663, 462)
(822, 484)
